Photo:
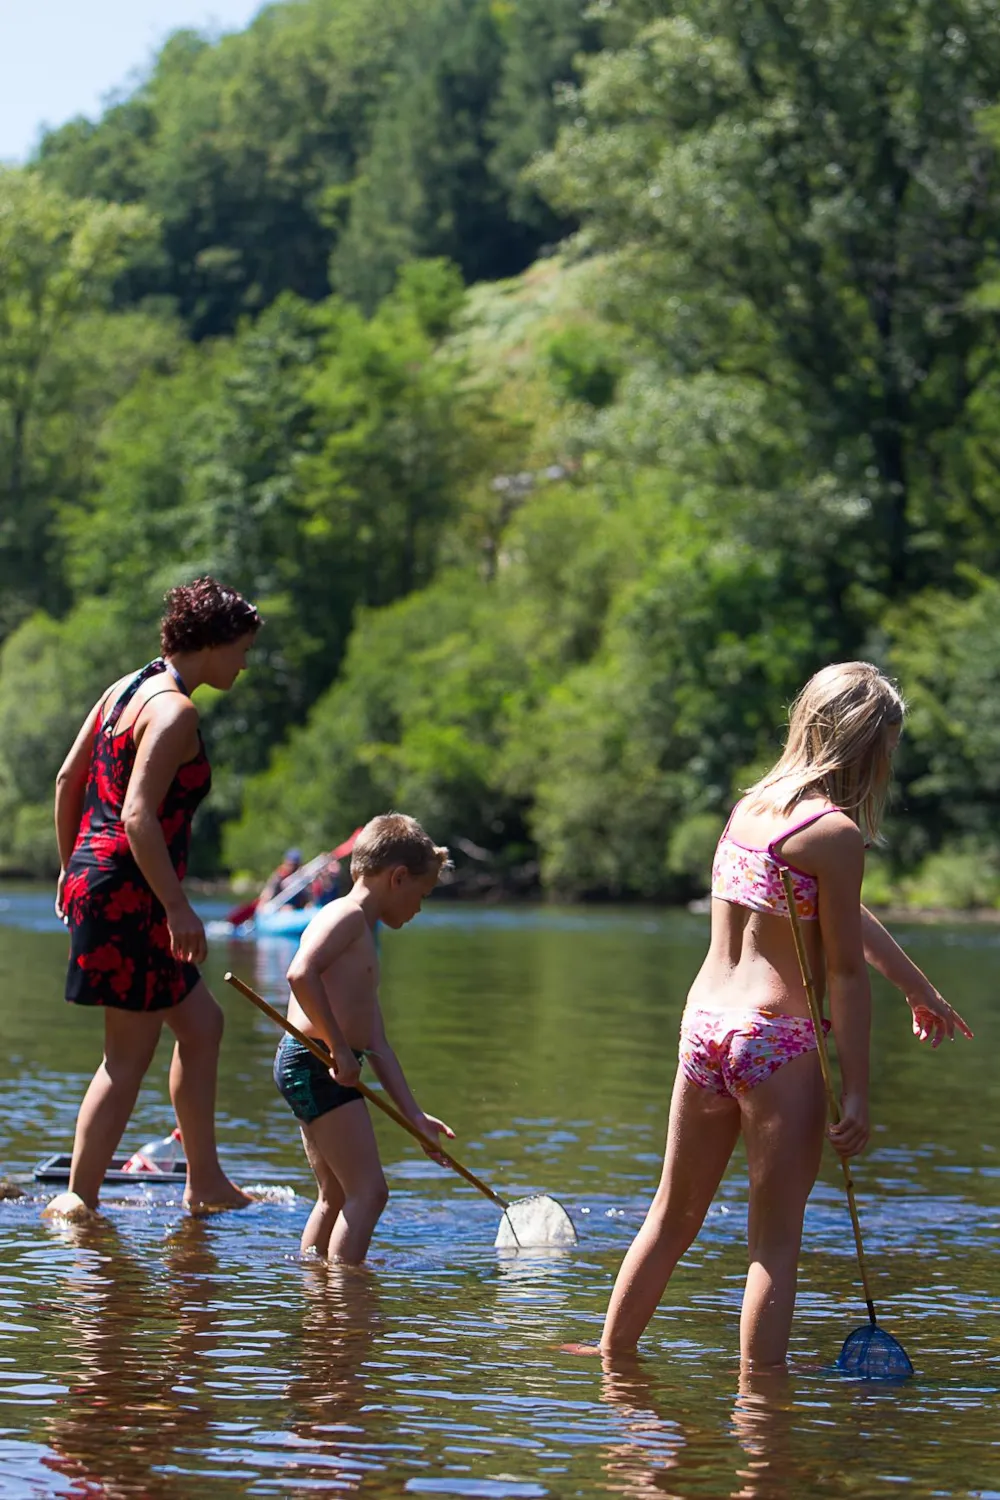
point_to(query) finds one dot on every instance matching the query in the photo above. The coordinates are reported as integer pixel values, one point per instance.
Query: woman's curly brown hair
(205, 613)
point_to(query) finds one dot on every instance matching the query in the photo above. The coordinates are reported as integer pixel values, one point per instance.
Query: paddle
(538, 1215)
(296, 883)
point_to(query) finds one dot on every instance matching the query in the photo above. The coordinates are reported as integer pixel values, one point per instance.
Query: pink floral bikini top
(752, 877)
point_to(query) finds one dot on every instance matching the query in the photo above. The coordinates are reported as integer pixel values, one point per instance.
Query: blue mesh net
(869, 1353)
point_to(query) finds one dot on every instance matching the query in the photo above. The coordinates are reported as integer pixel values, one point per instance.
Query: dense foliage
(565, 382)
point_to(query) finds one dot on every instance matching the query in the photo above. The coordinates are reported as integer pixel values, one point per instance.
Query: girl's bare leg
(344, 1138)
(701, 1135)
(197, 1024)
(329, 1201)
(783, 1122)
(129, 1044)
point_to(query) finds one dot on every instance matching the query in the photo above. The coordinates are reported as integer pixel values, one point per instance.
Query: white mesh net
(531, 1222)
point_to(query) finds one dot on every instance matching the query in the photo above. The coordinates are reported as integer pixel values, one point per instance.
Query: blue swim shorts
(305, 1083)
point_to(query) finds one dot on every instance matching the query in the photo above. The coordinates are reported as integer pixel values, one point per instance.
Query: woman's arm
(167, 740)
(840, 863)
(933, 1017)
(71, 784)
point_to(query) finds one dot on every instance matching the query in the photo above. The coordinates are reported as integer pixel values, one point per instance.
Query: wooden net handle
(318, 1050)
(824, 1062)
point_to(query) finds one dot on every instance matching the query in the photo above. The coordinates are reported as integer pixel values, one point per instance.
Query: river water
(158, 1356)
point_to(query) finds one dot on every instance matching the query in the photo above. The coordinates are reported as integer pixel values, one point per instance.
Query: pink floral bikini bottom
(732, 1051)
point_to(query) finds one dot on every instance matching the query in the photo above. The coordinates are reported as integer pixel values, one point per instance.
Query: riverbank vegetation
(565, 382)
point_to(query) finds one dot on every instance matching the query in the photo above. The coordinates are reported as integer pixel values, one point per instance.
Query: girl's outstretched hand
(933, 1018)
(850, 1134)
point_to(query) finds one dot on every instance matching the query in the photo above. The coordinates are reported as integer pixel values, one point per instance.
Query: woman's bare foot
(69, 1206)
(214, 1197)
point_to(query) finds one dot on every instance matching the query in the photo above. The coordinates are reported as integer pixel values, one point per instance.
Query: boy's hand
(850, 1134)
(432, 1127)
(933, 1018)
(346, 1069)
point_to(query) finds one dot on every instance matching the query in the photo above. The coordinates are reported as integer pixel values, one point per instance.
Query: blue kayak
(286, 921)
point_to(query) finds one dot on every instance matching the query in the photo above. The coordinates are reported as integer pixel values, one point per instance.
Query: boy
(334, 984)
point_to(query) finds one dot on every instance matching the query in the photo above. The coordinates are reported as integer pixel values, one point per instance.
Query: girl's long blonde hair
(839, 744)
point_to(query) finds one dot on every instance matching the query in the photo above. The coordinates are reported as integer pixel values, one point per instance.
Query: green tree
(424, 188)
(51, 673)
(59, 259)
(416, 721)
(543, 42)
(803, 196)
(244, 149)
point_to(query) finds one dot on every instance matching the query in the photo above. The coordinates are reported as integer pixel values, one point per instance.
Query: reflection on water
(155, 1356)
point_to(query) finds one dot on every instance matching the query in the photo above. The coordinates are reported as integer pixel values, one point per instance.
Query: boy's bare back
(350, 980)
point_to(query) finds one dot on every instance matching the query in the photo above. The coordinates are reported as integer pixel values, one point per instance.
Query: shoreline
(923, 916)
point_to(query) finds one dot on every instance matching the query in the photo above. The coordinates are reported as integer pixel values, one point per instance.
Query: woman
(125, 798)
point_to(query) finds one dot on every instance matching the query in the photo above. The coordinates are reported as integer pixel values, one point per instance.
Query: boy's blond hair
(394, 839)
(838, 744)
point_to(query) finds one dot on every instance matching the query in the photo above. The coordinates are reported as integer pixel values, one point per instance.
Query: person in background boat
(326, 886)
(334, 980)
(125, 798)
(747, 1060)
(280, 878)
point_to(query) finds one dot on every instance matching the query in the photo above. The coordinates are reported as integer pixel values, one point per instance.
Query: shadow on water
(155, 1356)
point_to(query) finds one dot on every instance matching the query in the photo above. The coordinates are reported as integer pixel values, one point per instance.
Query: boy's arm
(933, 1017)
(390, 1074)
(328, 935)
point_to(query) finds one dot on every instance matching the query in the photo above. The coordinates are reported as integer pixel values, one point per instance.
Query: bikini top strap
(129, 692)
(797, 828)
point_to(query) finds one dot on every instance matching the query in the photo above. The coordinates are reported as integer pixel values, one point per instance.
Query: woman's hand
(187, 934)
(432, 1127)
(346, 1069)
(60, 886)
(933, 1018)
(850, 1134)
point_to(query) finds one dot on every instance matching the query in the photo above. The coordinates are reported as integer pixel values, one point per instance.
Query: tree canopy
(566, 383)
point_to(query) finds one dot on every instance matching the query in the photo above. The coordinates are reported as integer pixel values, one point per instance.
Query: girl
(747, 1050)
(125, 798)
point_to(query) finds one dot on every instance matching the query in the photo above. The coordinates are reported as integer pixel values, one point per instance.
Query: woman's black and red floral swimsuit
(119, 940)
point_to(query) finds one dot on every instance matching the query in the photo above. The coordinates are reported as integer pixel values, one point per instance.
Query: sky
(61, 58)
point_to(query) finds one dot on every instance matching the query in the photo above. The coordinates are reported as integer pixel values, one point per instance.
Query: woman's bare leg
(783, 1128)
(344, 1138)
(702, 1132)
(129, 1044)
(197, 1024)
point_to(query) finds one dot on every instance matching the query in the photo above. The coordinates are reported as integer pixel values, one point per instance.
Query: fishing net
(529, 1223)
(869, 1353)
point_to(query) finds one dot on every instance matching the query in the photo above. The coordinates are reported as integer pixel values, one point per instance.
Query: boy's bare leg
(345, 1140)
(329, 1201)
